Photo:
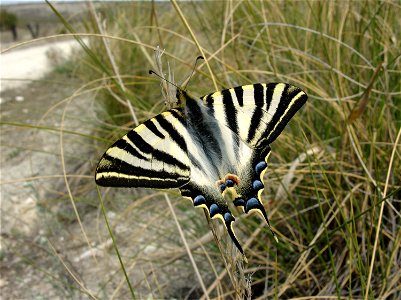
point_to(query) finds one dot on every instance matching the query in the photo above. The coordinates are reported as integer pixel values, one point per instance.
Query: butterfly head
(182, 97)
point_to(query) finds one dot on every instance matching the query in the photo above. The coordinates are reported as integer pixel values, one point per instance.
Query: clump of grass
(331, 208)
(333, 185)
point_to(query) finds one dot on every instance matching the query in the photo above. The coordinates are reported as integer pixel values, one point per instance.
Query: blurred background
(74, 78)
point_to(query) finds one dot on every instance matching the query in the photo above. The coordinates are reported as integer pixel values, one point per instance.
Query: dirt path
(19, 66)
(25, 100)
(30, 207)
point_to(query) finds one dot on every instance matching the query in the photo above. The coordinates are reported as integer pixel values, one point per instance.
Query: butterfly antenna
(161, 77)
(193, 70)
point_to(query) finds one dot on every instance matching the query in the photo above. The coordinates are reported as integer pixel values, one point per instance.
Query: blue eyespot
(260, 166)
(228, 217)
(230, 183)
(252, 204)
(239, 202)
(257, 185)
(214, 209)
(199, 200)
(222, 187)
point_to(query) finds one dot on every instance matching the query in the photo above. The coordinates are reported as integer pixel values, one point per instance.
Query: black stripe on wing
(256, 119)
(262, 106)
(239, 93)
(152, 127)
(269, 94)
(112, 171)
(173, 133)
(231, 116)
(124, 145)
(291, 101)
(230, 111)
(258, 94)
(159, 155)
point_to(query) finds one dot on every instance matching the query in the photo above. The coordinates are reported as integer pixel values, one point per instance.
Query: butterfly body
(214, 149)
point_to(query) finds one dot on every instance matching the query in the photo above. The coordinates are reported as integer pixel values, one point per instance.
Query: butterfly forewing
(258, 113)
(154, 155)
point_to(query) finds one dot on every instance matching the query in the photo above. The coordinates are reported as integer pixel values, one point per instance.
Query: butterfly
(214, 149)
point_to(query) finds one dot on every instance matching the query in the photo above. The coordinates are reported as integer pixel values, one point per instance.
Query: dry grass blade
(184, 20)
(379, 221)
(127, 280)
(66, 180)
(100, 27)
(87, 291)
(284, 188)
(360, 107)
(198, 275)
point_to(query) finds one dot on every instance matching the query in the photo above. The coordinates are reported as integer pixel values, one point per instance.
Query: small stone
(111, 215)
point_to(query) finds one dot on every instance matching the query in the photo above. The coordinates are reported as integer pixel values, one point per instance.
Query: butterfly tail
(215, 209)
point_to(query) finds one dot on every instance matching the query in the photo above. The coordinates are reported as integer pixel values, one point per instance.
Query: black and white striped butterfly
(214, 149)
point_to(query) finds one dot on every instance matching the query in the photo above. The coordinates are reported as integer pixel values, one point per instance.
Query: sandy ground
(21, 65)
(27, 95)
(28, 153)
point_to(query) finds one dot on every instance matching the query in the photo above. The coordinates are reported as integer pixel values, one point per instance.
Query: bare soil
(27, 268)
